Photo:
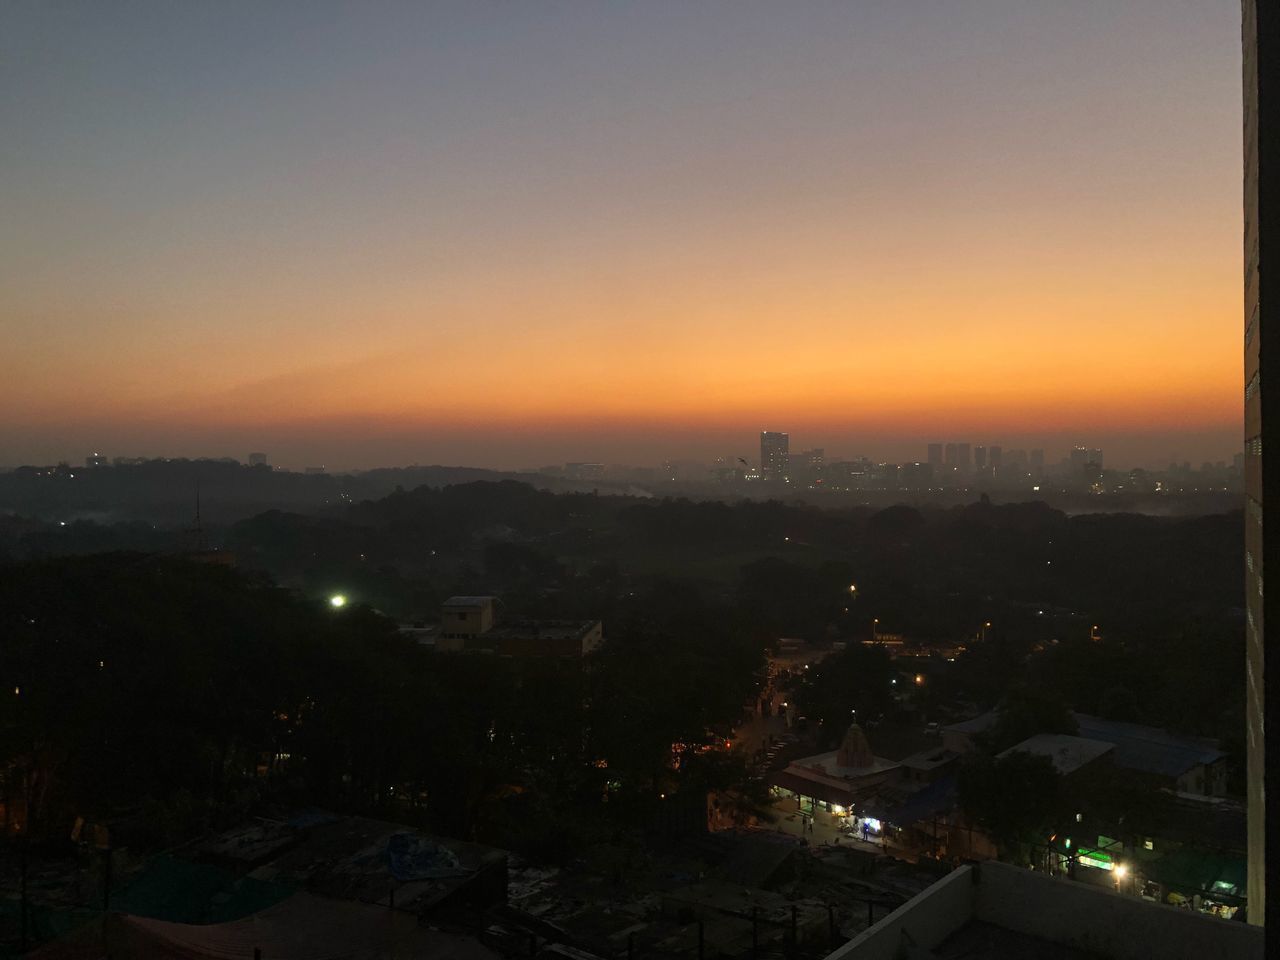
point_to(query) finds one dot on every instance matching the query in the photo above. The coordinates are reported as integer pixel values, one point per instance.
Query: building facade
(1261, 83)
(775, 454)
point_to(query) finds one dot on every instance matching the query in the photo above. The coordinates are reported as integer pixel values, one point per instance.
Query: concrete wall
(928, 919)
(1121, 927)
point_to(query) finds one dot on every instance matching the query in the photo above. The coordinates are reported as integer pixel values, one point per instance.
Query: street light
(875, 623)
(337, 601)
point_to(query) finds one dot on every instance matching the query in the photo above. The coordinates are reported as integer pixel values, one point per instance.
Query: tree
(1025, 712)
(1016, 799)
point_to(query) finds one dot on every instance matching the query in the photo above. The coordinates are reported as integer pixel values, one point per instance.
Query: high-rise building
(1036, 462)
(964, 463)
(1261, 62)
(996, 458)
(980, 458)
(935, 456)
(949, 458)
(774, 455)
(257, 459)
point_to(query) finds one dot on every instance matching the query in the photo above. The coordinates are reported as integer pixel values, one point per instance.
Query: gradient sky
(509, 234)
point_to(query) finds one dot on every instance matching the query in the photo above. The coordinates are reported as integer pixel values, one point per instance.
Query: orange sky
(637, 234)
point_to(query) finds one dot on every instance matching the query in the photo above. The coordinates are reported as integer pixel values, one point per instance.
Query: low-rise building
(471, 625)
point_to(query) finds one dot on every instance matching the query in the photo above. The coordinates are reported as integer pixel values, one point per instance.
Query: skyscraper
(774, 455)
(963, 461)
(996, 457)
(980, 458)
(1261, 36)
(935, 456)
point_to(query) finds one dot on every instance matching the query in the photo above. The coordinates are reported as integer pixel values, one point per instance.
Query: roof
(928, 759)
(361, 859)
(539, 630)
(1068, 753)
(829, 767)
(1149, 749)
(469, 601)
(303, 927)
(980, 723)
(938, 797)
(819, 789)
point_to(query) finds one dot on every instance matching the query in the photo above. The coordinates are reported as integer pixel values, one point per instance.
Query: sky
(511, 234)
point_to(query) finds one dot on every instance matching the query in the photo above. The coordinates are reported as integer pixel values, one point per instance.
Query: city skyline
(436, 233)
(903, 452)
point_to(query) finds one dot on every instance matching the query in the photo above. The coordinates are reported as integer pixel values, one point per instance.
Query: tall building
(257, 459)
(1261, 37)
(980, 458)
(964, 463)
(996, 457)
(774, 455)
(935, 456)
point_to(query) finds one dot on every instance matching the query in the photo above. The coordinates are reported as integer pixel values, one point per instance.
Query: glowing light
(337, 601)
(1121, 871)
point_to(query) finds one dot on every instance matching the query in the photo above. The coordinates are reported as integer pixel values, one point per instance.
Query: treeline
(183, 696)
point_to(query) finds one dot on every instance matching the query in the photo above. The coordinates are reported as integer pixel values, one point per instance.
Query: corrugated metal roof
(1148, 749)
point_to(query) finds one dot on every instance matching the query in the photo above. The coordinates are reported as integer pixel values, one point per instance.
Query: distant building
(257, 459)
(915, 476)
(1036, 462)
(314, 471)
(471, 625)
(95, 460)
(995, 458)
(775, 452)
(935, 456)
(979, 458)
(807, 466)
(464, 617)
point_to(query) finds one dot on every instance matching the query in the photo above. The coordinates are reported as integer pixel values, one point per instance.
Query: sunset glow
(619, 232)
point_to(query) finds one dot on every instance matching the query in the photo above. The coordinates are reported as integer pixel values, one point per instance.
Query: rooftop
(1149, 749)
(979, 724)
(1068, 753)
(539, 630)
(997, 910)
(468, 601)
